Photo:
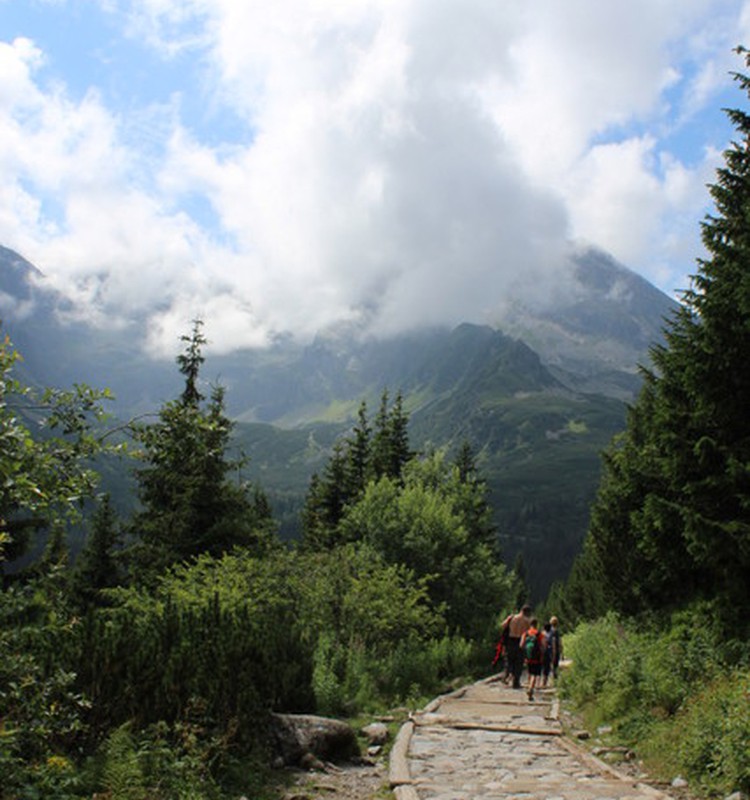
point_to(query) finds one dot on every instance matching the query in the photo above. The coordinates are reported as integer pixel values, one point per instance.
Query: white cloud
(405, 162)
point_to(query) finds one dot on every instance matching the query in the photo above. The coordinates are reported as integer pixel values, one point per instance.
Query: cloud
(393, 163)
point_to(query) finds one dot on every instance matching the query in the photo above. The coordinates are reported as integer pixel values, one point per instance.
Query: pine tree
(358, 466)
(398, 436)
(472, 501)
(672, 517)
(190, 363)
(97, 567)
(325, 502)
(190, 503)
(390, 439)
(380, 442)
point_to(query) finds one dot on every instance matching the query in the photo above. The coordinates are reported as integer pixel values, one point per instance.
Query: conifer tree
(190, 503)
(325, 502)
(358, 466)
(390, 439)
(367, 454)
(473, 502)
(672, 517)
(97, 567)
(380, 445)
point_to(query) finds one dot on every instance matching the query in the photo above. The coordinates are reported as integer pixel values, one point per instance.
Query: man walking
(519, 624)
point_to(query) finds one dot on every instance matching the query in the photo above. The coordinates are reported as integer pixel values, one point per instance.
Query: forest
(147, 667)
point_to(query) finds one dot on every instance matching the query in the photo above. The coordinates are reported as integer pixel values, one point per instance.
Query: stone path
(488, 742)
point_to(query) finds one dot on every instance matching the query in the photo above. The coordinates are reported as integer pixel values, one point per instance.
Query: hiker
(501, 652)
(548, 653)
(517, 627)
(532, 647)
(556, 645)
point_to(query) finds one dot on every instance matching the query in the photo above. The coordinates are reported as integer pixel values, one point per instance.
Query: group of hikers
(521, 642)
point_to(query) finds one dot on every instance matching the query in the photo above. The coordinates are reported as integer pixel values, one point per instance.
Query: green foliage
(366, 454)
(45, 477)
(714, 730)
(665, 687)
(223, 632)
(97, 567)
(190, 503)
(671, 521)
(122, 775)
(42, 712)
(162, 762)
(426, 521)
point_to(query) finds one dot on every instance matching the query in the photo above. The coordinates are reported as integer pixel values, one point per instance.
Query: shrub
(714, 731)
(664, 688)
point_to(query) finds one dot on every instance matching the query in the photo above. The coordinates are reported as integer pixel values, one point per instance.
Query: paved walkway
(489, 742)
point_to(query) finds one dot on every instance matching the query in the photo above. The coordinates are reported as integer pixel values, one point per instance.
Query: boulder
(376, 733)
(299, 737)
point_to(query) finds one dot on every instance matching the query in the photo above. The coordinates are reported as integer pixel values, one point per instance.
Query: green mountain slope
(538, 395)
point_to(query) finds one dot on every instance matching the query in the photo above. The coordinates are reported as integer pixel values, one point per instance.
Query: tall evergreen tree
(367, 454)
(358, 466)
(473, 502)
(190, 364)
(672, 517)
(325, 502)
(380, 443)
(190, 504)
(390, 439)
(97, 567)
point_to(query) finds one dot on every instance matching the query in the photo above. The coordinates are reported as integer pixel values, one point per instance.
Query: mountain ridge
(537, 400)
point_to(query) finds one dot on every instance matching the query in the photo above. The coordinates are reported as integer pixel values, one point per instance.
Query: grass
(668, 694)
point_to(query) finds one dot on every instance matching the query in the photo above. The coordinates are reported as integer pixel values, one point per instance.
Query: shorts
(535, 669)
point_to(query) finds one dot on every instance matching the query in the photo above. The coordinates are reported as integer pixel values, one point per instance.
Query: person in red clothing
(532, 647)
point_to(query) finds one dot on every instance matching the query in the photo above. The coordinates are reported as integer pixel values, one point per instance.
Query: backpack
(531, 647)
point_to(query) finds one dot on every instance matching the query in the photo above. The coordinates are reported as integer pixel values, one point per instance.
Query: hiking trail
(487, 741)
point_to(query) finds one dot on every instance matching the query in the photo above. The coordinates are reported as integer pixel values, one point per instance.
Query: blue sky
(292, 165)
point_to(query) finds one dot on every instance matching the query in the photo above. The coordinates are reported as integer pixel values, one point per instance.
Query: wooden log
(398, 770)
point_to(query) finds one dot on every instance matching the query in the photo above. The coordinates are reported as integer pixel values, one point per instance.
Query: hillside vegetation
(666, 559)
(150, 667)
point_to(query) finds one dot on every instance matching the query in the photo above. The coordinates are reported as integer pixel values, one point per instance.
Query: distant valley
(538, 395)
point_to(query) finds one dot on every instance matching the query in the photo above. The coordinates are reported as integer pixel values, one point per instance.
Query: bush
(666, 691)
(714, 732)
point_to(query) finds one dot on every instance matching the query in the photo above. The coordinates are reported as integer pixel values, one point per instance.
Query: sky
(290, 166)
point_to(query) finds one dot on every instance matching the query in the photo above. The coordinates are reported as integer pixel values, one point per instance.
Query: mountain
(538, 395)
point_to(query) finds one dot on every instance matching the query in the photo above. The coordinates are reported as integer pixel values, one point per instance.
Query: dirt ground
(341, 782)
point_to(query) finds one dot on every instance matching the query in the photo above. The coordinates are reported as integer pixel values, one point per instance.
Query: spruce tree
(97, 567)
(358, 466)
(190, 502)
(390, 439)
(672, 518)
(473, 502)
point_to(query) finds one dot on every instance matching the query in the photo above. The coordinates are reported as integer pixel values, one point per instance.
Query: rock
(374, 750)
(375, 733)
(300, 735)
(309, 761)
(679, 783)
(736, 796)
(603, 730)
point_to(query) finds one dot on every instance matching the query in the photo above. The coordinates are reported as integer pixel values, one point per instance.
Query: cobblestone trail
(489, 742)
